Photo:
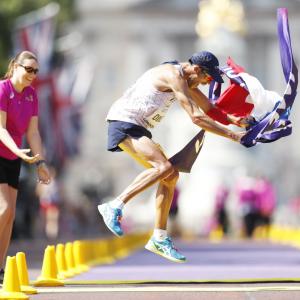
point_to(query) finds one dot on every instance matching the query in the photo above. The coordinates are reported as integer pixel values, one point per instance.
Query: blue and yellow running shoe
(166, 249)
(111, 217)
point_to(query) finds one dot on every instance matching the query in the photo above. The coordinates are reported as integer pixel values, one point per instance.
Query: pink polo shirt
(19, 108)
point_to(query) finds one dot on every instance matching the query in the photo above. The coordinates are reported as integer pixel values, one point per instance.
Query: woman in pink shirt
(18, 117)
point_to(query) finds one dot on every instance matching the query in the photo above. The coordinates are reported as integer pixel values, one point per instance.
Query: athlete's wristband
(218, 115)
(40, 162)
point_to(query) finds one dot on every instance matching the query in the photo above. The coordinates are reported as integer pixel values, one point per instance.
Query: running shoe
(111, 217)
(166, 249)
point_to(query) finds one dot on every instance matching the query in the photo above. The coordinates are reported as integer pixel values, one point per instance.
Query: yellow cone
(23, 274)
(69, 254)
(104, 253)
(120, 247)
(11, 285)
(80, 256)
(63, 272)
(49, 270)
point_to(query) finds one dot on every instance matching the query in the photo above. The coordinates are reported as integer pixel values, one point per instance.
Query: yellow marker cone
(70, 258)
(216, 234)
(80, 256)
(23, 274)
(11, 285)
(49, 270)
(63, 272)
(120, 247)
(104, 253)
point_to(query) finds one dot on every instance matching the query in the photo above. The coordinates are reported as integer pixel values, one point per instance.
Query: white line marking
(166, 289)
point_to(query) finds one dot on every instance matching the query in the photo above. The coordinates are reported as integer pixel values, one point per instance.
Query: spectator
(49, 197)
(18, 117)
(220, 214)
(248, 198)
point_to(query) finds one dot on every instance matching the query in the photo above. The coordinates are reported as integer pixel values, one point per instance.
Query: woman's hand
(29, 159)
(43, 173)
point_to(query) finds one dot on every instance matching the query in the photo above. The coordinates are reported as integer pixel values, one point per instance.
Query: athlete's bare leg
(144, 149)
(150, 155)
(164, 197)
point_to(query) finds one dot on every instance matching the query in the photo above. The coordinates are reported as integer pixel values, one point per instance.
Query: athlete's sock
(160, 234)
(117, 203)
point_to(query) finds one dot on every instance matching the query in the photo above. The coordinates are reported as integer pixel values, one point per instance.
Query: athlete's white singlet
(142, 103)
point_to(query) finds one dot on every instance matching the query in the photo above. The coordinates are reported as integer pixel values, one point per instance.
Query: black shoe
(1, 276)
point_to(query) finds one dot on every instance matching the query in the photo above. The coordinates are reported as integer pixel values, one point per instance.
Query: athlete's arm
(181, 91)
(208, 108)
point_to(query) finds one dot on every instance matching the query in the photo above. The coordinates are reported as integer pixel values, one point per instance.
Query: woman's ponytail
(10, 69)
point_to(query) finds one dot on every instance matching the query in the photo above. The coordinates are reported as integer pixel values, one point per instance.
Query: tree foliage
(12, 9)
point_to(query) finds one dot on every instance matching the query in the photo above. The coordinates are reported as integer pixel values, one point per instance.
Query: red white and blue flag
(275, 124)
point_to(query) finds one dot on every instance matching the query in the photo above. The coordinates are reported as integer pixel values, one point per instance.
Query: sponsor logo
(157, 118)
(29, 98)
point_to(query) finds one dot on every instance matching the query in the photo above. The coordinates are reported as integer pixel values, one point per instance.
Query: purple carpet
(230, 261)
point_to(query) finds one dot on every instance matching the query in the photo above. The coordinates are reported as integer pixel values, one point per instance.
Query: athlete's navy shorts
(119, 130)
(10, 171)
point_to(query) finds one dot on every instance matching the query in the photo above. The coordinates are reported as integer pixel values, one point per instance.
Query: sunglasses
(205, 73)
(30, 70)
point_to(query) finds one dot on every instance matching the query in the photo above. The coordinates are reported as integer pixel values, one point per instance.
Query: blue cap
(208, 62)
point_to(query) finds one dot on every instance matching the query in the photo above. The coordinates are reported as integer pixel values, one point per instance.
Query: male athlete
(142, 107)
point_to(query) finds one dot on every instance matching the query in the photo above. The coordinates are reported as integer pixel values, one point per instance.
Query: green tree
(12, 9)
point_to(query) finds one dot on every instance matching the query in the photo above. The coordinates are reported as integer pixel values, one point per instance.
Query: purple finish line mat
(222, 262)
